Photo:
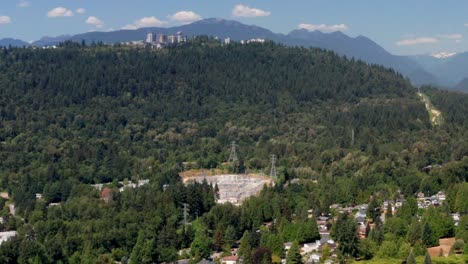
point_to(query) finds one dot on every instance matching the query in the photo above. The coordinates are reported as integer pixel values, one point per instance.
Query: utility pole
(352, 137)
(233, 155)
(273, 166)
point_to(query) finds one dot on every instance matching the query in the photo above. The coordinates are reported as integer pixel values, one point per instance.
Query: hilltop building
(162, 40)
(149, 38)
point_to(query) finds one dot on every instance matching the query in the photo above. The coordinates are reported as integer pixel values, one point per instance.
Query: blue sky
(400, 26)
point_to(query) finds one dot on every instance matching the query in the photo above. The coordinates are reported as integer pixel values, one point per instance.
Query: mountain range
(446, 72)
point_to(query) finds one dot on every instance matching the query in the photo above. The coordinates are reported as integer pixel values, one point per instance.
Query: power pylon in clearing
(186, 223)
(273, 167)
(233, 155)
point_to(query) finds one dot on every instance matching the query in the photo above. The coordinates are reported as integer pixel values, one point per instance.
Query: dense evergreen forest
(81, 115)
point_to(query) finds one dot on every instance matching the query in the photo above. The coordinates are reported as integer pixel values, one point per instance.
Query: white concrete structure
(234, 188)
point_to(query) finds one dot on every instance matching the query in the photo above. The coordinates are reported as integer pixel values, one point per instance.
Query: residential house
(204, 261)
(4, 195)
(106, 194)
(287, 245)
(441, 196)
(314, 258)
(310, 247)
(230, 260)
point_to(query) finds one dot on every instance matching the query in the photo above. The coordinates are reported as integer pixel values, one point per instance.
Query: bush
(458, 246)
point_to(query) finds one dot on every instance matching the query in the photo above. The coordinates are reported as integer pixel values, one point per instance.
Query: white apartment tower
(149, 38)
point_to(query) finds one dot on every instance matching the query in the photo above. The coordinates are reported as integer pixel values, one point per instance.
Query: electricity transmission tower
(233, 155)
(186, 223)
(273, 167)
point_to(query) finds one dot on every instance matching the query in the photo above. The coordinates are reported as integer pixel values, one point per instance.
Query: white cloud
(466, 25)
(146, 22)
(245, 11)
(129, 26)
(92, 20)
(451, 36)
(5, 20)
(81, 10)
(417, 41)
(323, 27)
(60, 12)
(24, 3)
(185, 17)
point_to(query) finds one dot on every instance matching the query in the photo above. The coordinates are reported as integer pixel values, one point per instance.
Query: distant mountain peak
(443, 55)
(13, 42)
(216, 20)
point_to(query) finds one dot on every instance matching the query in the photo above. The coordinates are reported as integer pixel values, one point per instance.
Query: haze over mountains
(447, 72)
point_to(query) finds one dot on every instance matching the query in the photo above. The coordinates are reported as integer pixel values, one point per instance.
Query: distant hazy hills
(361, 48)
(462, 85)
(420, 69)
(451, 72)
(13, 42)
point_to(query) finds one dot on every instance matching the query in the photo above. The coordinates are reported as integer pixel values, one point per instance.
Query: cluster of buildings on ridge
(162, 40)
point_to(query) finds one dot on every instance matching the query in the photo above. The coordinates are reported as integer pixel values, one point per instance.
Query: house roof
(204, 261)
(231, 258)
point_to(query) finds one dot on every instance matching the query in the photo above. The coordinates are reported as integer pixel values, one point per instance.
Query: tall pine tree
(294, 254)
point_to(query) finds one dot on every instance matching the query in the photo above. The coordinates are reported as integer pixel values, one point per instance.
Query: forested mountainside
(79, 115)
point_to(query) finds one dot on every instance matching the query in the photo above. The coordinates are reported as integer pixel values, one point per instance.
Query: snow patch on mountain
(443, 55)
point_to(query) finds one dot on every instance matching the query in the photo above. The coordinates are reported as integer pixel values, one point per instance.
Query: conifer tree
(294, 254)
(428, 237)
(389, 213)
(427, 258)
(411, 259)
(136, 256)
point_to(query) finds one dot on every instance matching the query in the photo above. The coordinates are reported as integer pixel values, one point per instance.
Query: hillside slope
(166, 104)
(74, 116)
(360, 48)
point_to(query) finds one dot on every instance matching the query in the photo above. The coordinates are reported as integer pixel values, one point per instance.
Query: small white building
(6, 236)
(441, 196)
(314, 258)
